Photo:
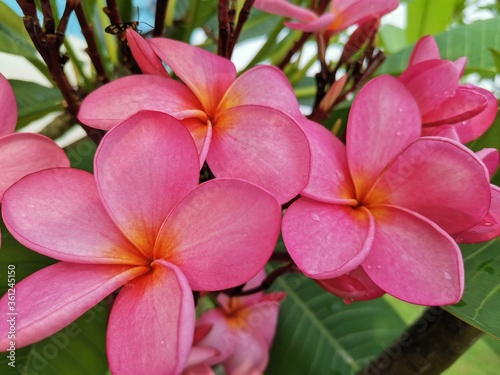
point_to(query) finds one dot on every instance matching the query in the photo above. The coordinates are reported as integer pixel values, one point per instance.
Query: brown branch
(224, 29)
(112, 11)
(88, 33)
(295, 48)
(160, 14)
(242, 18)
(432, 344)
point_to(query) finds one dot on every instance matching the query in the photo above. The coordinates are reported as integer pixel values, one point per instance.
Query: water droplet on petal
(162, 342)
(315, 218)
(379, 267)
(447, 276)
(398, 133)
(487, 224)
(459, 240)
(348, 301)
(369, 267)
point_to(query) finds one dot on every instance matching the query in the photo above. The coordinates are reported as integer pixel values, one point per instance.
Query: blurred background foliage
(317, 333)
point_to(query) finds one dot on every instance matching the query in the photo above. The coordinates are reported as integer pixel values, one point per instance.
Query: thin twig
(242, 18)
(160, 14)
(295, 48)
(224, 30)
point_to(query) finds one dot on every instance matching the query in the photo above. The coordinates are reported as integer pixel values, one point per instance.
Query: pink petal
(383, 120)
(446, 131)
(263, 146)
(25, 153)
(491, 158)
(262, 320)
(58, 213)
(461, 107)
(253, 87)
(314, 26)
(441, 180)
(201, 132)
(330, 179)
(353, 286)
(120, 99)
(200, 355)
(230, 304)
(217, 225)
(285, 9)
(143, 167)
(489, 227)
(8, 107)
(460, 64)
(144, 55)
(326, 240)
(150, 329)
(250, 355)
(53, 297)
(201, 369)
(207, 75)
(470, 130)
(413, 259)
(425, 49)
(431, 82)
(359, 12)
(220, 336)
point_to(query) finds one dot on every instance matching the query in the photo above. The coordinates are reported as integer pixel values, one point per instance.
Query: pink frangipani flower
(389, 201)
(142, 224)
(448, 109)
(242, 329)
(22, 153)
(243, 127)
(341, 15)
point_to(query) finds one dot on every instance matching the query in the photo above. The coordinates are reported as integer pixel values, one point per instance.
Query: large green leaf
(480, 303)
(429, 17)
(319, 334)
(35, 101)
(473, 41)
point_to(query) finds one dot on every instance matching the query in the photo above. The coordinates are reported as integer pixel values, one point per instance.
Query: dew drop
(162, 342)
(398, 133)
(315, 218)
(465, 123)
(369, 267)
(459, 240)
(447, 276)
(487, 224)
(379, 267)
(348, 301)
(400, 109)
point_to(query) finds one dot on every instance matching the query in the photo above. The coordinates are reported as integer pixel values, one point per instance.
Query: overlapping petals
(410, 196)
(105, 228)
(448, 109)
(242, 330)
(22, 153)
(243, 127)
(341, 14)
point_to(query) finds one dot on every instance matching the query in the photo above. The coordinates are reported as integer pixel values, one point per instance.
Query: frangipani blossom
(243, 127)
(389, 201)
(22, 153)
(341, 15)
(448, 109)
(242, 329)
(141, 223)
(200, 355)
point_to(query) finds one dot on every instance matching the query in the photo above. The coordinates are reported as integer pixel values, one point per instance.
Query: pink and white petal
(144, 55)
(319, 24)
(355, 285)
(53, 297)
(150, 329)
(220, 337)
(230, 304)
(489, 227)
(327, 240)
(143, 168)
(200, 355)
(250, 355)
(201, 131)
(201, 369)
(330, 180)
(384, 119)
(253, 87)
(441, 180)
(59, 213)
(263, 146)
(217, 225)
(459, 108)
(491, 158)
(425, 49)
(361, 11)
(8, 107)
(431, 82)
(207, 75)
(413, 259)
(25, 153)
(446, 131)
(460, 63)
(118, 100)
(261, 320)
(285, 9)
(469, 131)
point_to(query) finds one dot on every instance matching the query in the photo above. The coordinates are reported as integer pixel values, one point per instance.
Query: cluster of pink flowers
(380, 214)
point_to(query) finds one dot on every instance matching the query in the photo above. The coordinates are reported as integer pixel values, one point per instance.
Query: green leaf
(429, 17)
(496, 58)
(35, 101)
(392, 38)
(480, 303)
(472, 41)
(319, 334)
(13, 21)
(81, 154)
